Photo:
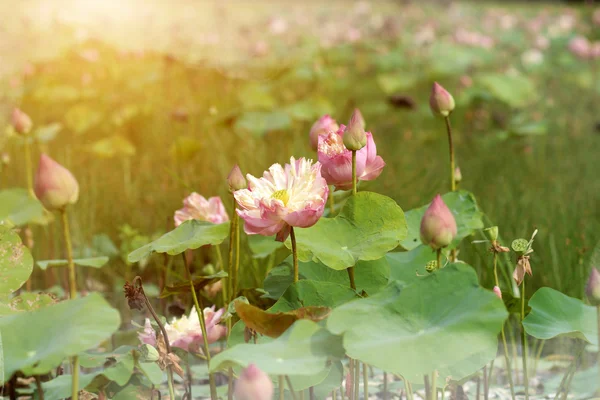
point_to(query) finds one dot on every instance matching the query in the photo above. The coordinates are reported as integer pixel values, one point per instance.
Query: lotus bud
(359, 118)
(355, 137)
(55, 186)
(457, 175)
(253, 384)
(592, 290)
(441, 101)
(21, 122)
(438, 226)
(323, 126)
(236, 179)
(498, 292)
(491, 233)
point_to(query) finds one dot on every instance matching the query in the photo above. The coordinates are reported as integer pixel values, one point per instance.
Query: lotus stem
(237, 254)
(331, 200)
(427, 385)
(200, 311)
(451, 150)
(385, 386)
(351, 374)
(439, 258)
(366, 380)
(281, 387)
(294, 254)
(524, 343)
(289, 383)
(29, 167)
(356, 380)
(353, 172)
(598, 355)
(434, 385)
(230, 384)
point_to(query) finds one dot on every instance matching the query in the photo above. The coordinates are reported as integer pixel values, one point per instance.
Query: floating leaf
(189, 235)
(553, 314)
(259, 123)
(255, 96)
(303, 349)
(112, 146)
(514, 90)
(309, 109)
(444, 321)
(199, 283)
(407, 266)
(26, 302)
(466, 213)
(94, 262)
(61, 330)
(274, 324)
(18, 207)
(16, 263)
(366, 228)
(393, 82)
(60, 387)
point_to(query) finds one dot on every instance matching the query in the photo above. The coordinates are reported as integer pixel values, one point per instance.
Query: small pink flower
(497, 292)
(253, 384)
(438, 226)
(580, 47)
(55, 186)
(441, 101)
(290, 196)
(21, 121)
(337, 160)
(592, 289)
(197, 207)
(323, 126)
(148, 335)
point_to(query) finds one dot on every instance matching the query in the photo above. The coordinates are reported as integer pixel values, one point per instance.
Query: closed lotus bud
(355, 137)
(592, 290)
(55, 186)
(491, 233)
(21, 122)
(438, 226)
(253, 384)
(323, 126)
(236, 179)
(498, 292)
(457, 175)
(441, 101)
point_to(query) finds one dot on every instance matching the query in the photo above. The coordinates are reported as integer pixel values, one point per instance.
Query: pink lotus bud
(236, 179)
(438, 226)
(355, 137)
(498, 292)
(21, 122)
(253, 384)
(55, 186)
(440, 101)
(323, 126)
(457, 175)
(592, 290)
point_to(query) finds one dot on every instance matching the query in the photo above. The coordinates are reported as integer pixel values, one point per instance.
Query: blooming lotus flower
(438, 226)
(186, 332)
(21, 121)
(55, 186)
(497, 292)
(323, 126)
(285, 197)
(337, 160)
(253, 384)
(197, 207)
(440, 101)
(592, 289)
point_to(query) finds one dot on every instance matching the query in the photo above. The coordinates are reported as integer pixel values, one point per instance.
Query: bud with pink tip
(253, 384)
(21, 122)
(55, 186)
(323, 126)
(236, 179)
(592, 290)
(497, 292)
(355, 137)
(438, 226)
(457, 175)
(441, 101)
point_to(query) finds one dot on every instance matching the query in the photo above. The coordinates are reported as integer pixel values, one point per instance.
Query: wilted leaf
(16, 262)
(199, 283)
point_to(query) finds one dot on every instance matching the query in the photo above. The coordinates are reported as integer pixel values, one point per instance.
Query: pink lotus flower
(337, 160)
(253, 384)
(186, 332)
(21, 121)
(438, 226)
(580, 47)
(285, 197)
(55, 186)
(498, 292)
(197, 207)
(323, 126)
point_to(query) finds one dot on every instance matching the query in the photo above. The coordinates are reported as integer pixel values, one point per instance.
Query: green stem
(427, 385)
(289, 383)
(294, 253)
(385, 385)
(351, 375)
(409, 391)
(451, 150)
(281, 388)
(229, 282)
(365, 381)
(356, 380)
(598, 355)
(524, 343)
(237, 254)
(331, 200)
(439, 258)
(230, 384)
(29, 167)
(434, 385)
(351, 277)
(72, 295)
(504, 345)
(200, 311)
(353, 172)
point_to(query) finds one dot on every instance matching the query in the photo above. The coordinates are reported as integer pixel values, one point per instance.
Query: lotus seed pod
(491, 233)
(438, 226)
(355, 137)
(497, 292)
(253, 384)
(592, 289)
(55, 186)
(431, 266)
(236, 179)
(441, 101)
(519, 246)
(21, 122)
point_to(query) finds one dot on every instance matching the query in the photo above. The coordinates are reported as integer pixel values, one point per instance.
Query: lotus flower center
(282, 195)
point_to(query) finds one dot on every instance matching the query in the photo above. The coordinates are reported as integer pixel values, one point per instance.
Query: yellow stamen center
(282, 195)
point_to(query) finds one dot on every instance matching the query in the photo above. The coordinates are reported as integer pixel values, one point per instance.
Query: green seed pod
(520, 246)
(431, 266)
